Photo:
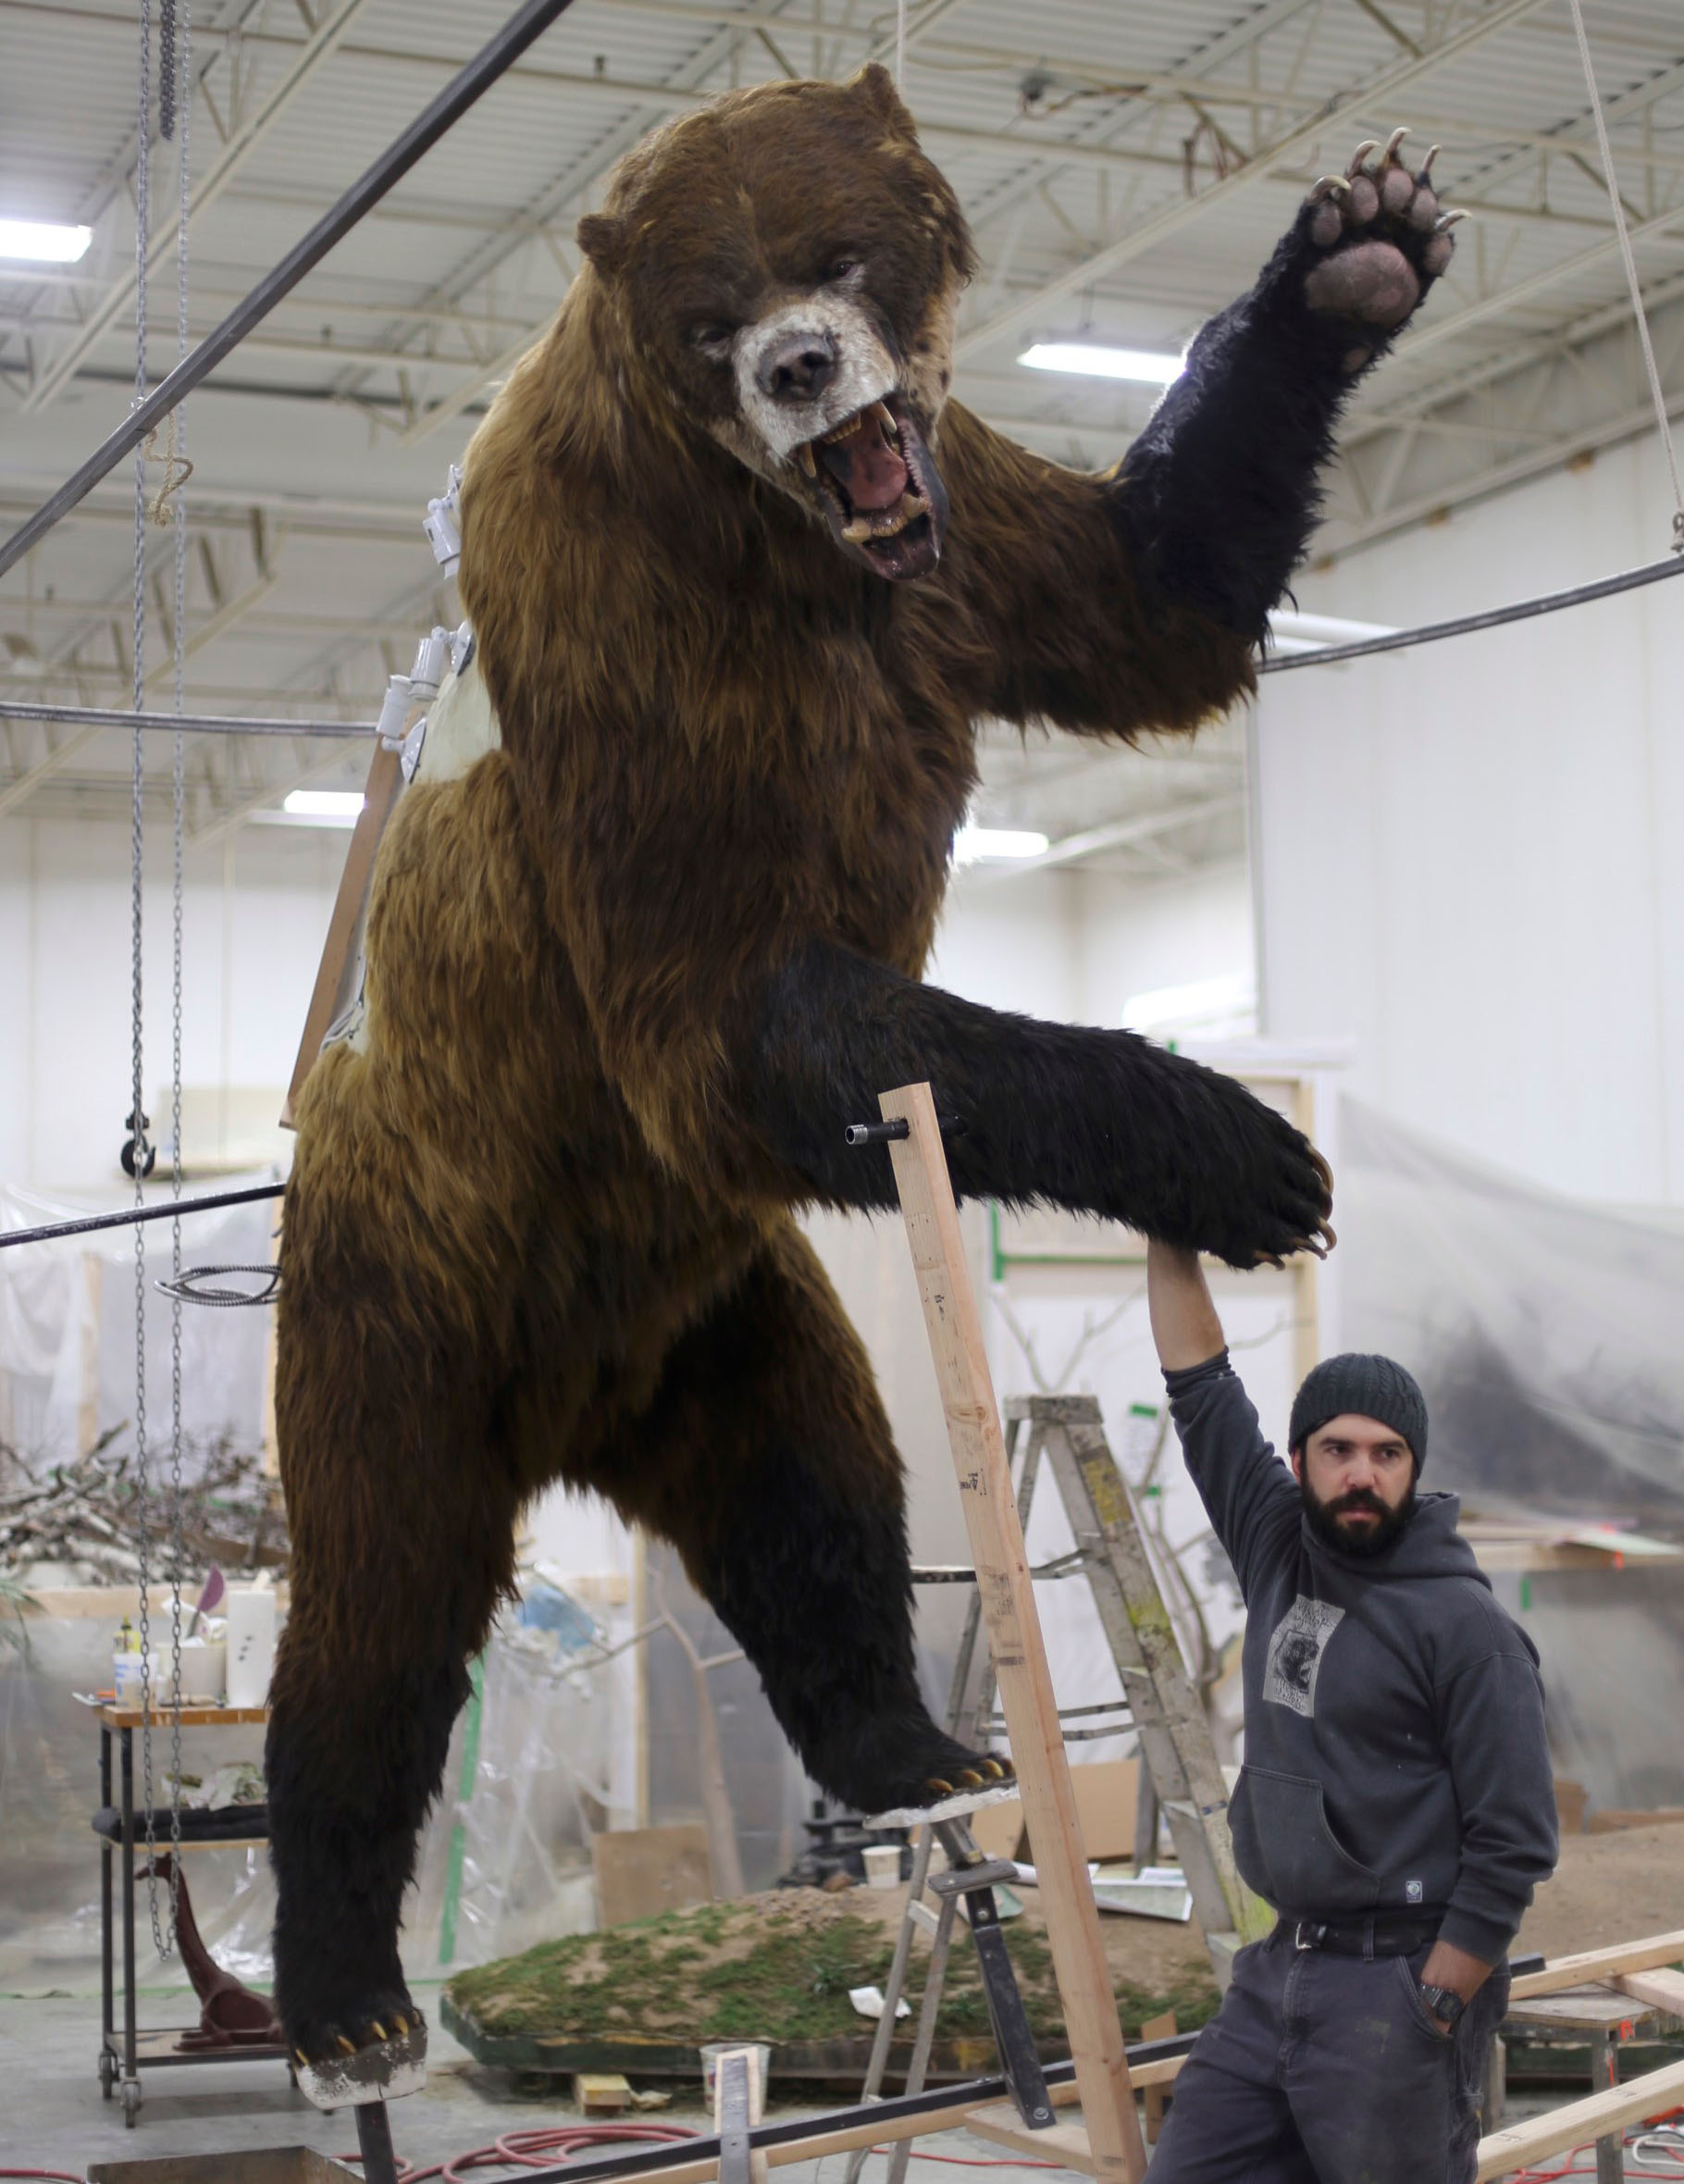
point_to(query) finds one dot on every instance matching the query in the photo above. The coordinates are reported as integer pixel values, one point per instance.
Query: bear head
(782, 268)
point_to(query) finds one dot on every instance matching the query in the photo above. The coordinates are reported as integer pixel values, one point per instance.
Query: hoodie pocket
(1286, 1850)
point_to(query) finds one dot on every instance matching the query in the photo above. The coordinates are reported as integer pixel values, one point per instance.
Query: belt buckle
(1309, 1927)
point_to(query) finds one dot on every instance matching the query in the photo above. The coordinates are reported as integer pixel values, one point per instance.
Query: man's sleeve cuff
(1187, 1377)
(1484, 1937)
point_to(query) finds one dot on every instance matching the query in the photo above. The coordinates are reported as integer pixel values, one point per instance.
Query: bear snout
(796, 366)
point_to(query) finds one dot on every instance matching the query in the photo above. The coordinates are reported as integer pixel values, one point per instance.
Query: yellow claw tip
(347, 2047)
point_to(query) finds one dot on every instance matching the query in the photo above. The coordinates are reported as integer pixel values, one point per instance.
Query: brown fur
(533, 1232)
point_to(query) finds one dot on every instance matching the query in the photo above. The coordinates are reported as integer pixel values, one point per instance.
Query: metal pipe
(493, 58)
(170, 1210)
(201, 723)
(1522, 610)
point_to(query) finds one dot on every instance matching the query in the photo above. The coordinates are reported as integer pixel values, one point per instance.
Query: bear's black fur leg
(350, 1777)
(767, 1459)
(1100, 1121)
(1220, 493)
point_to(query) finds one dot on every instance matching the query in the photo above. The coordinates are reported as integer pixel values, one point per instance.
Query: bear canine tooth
(809, 460)
(885, 417)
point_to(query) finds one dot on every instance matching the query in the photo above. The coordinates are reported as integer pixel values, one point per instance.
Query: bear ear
(876, 87)
(602, 239)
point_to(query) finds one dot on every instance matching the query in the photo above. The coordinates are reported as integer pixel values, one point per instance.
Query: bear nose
(798, 368)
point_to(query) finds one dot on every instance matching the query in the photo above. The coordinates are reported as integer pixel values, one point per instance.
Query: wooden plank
(1656, 1991)
(601, 2092)
(1019, 1658)
(191, 1717)
(1600, 1964)
(642, 1871)
(1599, 2116)
(379, 794)
(1066, 2143)
(1162, 2028)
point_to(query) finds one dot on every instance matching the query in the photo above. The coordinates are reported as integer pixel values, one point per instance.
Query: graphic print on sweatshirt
(1295, 1649)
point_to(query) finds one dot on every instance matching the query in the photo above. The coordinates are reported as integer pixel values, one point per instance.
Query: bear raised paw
(744, 580)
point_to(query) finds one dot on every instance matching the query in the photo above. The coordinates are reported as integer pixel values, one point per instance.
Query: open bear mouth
(879, 489)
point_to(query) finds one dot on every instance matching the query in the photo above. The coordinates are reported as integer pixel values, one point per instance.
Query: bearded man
(1395, 1809)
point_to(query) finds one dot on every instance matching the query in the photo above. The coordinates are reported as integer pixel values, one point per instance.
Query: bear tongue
(870, 472)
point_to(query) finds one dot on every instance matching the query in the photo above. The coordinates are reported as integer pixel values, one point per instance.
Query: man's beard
(1324, 1519)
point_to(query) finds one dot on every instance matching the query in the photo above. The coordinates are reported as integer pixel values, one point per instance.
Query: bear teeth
(887, 523)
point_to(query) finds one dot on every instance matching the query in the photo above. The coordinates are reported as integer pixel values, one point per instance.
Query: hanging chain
(143, 236)
(1631, 281)
(169, 58)
(167, 69)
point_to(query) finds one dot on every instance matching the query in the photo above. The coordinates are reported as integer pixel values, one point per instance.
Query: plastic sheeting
(1545, 1331)
(66, 1332)
(544, 1755)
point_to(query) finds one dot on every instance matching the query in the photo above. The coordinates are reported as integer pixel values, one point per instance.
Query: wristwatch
(1444, 2004)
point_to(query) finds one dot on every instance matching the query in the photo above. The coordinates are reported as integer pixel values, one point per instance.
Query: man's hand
(1184, 1324)
(1450, 1966)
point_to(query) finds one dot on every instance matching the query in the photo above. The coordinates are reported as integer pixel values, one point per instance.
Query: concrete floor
(51, 2115)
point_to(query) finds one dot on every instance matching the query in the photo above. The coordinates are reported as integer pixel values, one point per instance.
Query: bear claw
(941, 1787)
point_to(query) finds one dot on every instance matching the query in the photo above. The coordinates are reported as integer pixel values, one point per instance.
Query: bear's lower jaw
(912, 551)
(898, 542)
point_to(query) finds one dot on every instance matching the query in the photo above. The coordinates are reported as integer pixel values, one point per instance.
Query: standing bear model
(743, 581)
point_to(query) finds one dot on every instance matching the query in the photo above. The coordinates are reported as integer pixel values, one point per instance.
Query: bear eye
(711, 335)
(845, 269)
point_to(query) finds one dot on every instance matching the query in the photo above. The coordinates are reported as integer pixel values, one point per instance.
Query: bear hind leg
(401, 1506)
(767, 1459)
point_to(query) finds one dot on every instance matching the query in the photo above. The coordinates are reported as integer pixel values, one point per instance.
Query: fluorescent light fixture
(41, 243)
(317, 807)
(1290, 631)
(989, 845)
(1207, 1004)
(1095, 362)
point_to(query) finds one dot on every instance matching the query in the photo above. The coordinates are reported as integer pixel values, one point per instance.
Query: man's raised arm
(1248, 1494)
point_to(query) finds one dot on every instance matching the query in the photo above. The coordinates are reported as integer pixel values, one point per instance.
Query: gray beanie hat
(1373, 1387)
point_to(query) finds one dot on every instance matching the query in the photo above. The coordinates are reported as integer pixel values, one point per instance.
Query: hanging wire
(1637, 296)
(900, 46)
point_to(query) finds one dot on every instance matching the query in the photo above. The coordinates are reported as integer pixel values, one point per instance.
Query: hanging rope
(1637, 297)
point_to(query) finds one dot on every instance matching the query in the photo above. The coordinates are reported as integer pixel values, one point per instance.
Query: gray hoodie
(1395, 1760)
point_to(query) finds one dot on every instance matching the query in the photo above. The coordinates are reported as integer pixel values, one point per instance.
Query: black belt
(1360, 1937)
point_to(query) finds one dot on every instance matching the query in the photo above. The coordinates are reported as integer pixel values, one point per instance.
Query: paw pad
(1385, 237)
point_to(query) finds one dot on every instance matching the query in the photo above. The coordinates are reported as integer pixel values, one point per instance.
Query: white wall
(1138, 936)
(254, 921)
(1469, 851)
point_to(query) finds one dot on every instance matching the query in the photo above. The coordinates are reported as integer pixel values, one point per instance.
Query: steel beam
(233, 155)
(1365, 98)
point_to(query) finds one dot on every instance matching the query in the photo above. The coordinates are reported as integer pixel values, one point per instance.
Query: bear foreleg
(1098, 1121)
(766, 1458)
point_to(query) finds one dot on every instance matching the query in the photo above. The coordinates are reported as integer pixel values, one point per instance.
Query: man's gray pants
(1324, 2070)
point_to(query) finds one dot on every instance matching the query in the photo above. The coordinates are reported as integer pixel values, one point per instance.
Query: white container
(126, 1678)
(251, 1644)
(883, 1865)
(204, 1672)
